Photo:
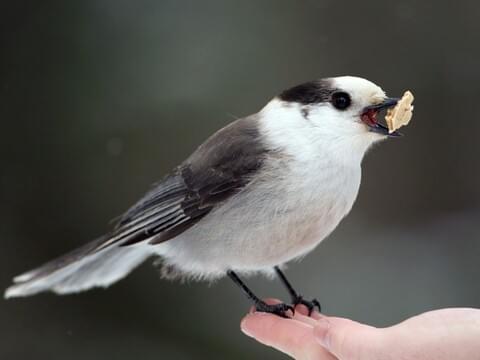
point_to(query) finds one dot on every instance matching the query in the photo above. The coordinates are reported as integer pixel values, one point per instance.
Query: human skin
(446, 334)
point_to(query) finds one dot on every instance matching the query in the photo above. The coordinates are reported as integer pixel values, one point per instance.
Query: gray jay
(264, 190)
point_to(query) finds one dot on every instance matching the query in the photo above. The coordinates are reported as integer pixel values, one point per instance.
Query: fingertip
(245, 325)
(258, 324)
(272, 301)
(301, 309)
(287, 335)
(291, 336)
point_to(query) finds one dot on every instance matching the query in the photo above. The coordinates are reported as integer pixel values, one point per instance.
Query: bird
(262, 191)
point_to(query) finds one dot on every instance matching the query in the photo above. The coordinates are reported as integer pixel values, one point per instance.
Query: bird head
(345, 105)
(340, 112)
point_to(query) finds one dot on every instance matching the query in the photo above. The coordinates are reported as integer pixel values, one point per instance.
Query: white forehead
(359, 88)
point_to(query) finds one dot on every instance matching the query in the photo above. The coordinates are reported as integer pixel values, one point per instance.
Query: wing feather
(218, 169)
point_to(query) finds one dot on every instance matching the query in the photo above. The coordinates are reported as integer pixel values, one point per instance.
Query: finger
(304, 318)
(290, 336)
(316, 315)
(272, 301)
(348, 339)
(302, 309)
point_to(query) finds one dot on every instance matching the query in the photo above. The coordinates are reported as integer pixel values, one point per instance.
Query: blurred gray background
(99, 99)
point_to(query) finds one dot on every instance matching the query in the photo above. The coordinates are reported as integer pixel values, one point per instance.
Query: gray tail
(81, 270)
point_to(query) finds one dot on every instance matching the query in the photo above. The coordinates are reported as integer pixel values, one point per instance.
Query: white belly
(266, 226)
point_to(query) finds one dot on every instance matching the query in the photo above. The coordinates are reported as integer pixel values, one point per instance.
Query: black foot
(277, 309)
(311, 305)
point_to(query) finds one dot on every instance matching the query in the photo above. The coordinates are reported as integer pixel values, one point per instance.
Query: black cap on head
(309, 93)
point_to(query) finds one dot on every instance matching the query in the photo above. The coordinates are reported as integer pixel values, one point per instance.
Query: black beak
(377, 127)
(385, 104)
(382, 129)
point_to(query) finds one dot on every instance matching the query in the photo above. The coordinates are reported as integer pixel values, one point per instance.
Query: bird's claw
(311, 305)
(277, 309)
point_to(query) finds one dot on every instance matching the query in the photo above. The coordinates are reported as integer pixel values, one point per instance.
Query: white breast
(301, 195)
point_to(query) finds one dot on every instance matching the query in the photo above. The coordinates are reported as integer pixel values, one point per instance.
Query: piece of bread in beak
(401, 114)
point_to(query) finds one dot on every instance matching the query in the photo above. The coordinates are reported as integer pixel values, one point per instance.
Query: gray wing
(218, 169)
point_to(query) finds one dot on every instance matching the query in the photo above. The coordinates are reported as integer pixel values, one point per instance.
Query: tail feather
(81, 270)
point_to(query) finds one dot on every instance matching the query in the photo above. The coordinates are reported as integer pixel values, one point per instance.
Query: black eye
(341, 100)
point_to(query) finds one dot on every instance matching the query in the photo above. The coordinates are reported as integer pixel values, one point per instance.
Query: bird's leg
(260, 305)
(296, 298)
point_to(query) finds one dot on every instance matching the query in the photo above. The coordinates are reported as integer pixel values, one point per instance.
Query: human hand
(435, 335)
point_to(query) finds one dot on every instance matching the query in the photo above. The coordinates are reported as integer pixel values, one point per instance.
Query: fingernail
(244, 326)
(320, 332)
